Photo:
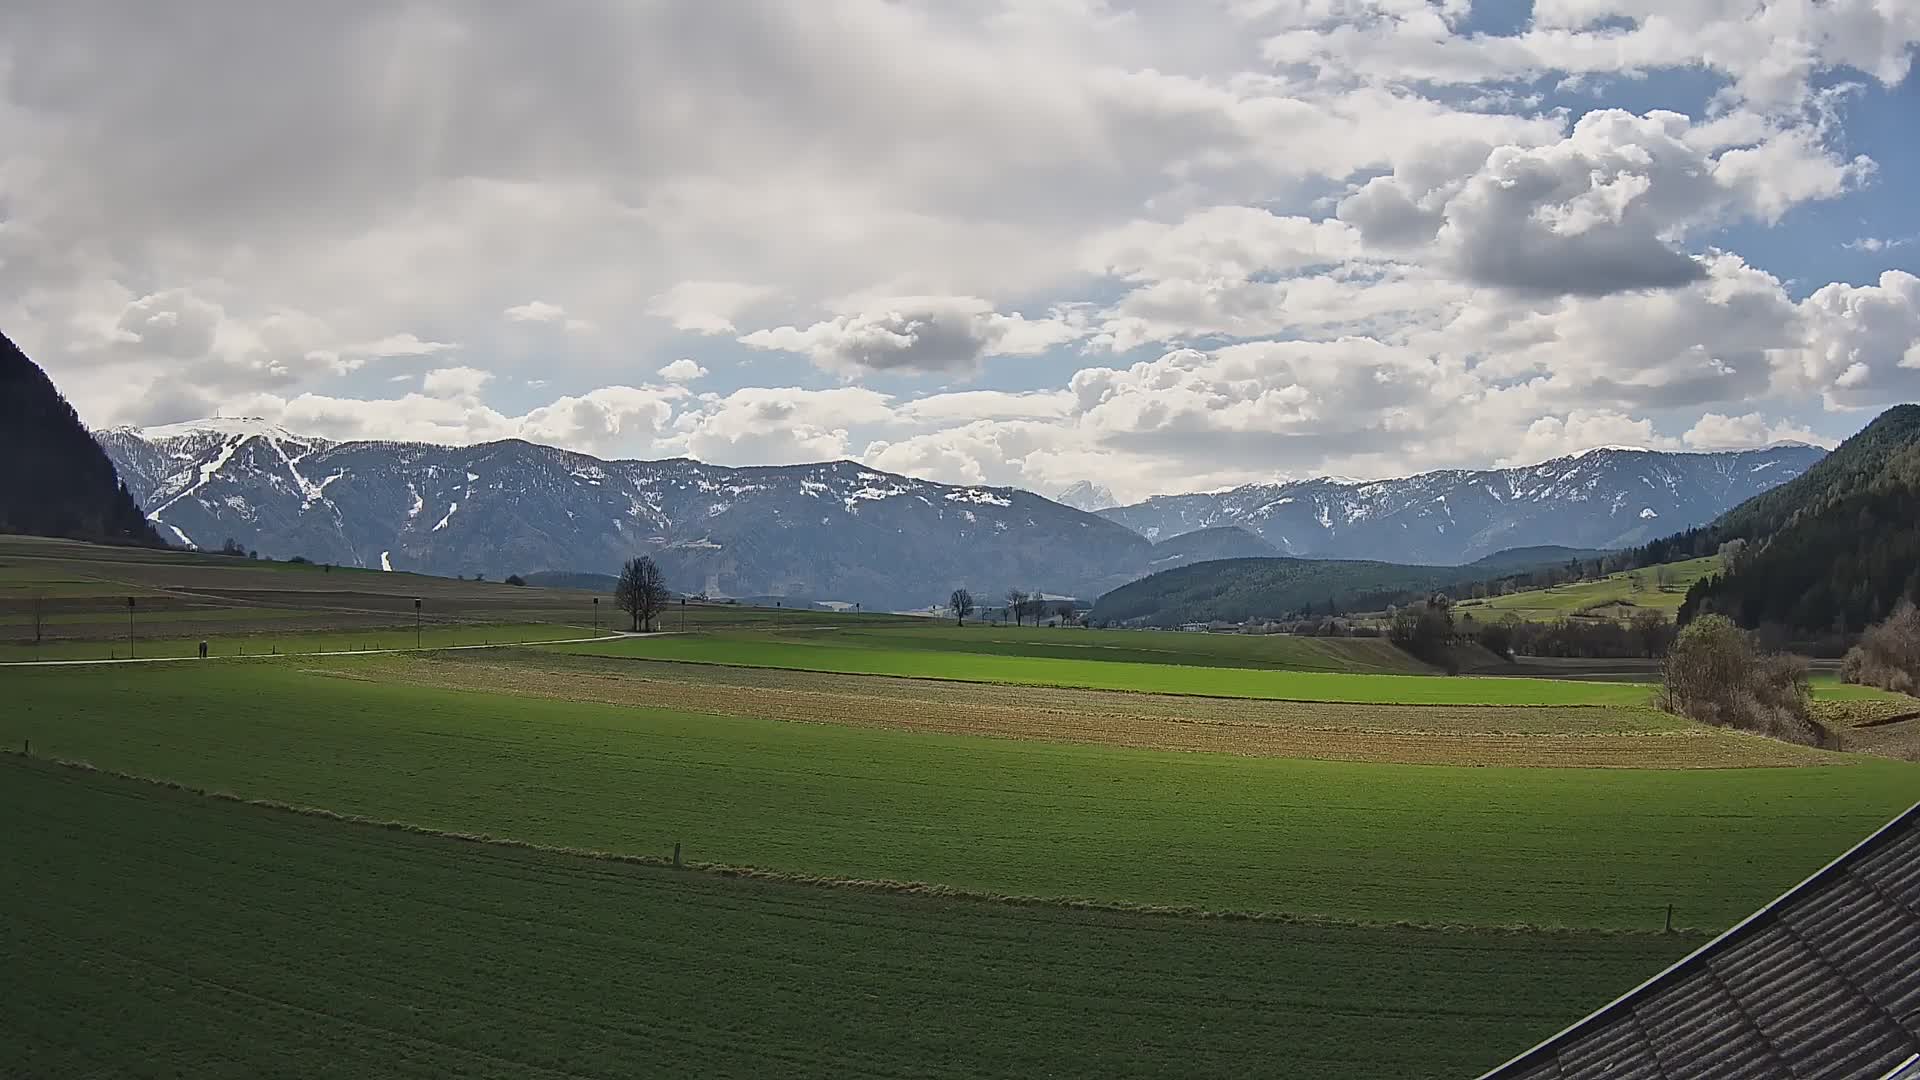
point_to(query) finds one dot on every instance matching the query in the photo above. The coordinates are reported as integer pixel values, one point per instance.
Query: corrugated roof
(1822, 983)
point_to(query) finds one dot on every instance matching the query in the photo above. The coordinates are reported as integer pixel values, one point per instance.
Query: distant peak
(221, 425)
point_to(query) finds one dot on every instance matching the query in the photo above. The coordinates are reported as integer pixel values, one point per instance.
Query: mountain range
(1607, 498)
(840, 531)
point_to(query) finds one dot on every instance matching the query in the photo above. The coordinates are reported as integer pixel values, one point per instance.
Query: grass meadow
(164, 933)
(1358, 841)
(1179, 673)
(1616, 595)
(911, 849)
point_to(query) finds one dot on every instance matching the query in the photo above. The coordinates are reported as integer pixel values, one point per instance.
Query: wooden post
(26, 747)
(1669, 918)
(676, 854)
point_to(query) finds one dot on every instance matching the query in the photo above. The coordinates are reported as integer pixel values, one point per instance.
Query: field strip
(865, 885)
(1584, 736)
(612, 634)
(1371, 842)
(194, 936)
(1188, 680)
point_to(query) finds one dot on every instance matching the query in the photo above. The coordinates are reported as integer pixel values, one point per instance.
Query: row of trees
(1020, 606)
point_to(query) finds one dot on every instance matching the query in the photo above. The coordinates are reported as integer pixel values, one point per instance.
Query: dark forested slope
(1833, 549)
(54, 479)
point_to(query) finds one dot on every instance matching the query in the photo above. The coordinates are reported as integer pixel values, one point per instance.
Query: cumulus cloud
(707, 307)
(614, 420)
(538, 311)
(921, 335)
(683, 370)
(1715, 431)
(1768, 50)
(1600, 211)
(1861, 342)
(1284, 249)
(778, 426)
(455, 382)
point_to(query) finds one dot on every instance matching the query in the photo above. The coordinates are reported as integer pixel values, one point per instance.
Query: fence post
(1669, 918)
(676, 854)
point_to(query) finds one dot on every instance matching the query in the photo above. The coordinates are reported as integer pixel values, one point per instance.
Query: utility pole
(683, 614)
(596, 616)
(129, 627)
(416, 623)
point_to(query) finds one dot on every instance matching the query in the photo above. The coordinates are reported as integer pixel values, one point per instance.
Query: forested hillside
(54, 479)
(1235, 590)
(1834, 549)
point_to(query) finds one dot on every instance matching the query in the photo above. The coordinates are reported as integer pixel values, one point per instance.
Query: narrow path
(610, 636)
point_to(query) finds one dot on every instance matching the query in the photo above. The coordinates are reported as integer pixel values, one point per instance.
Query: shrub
(1888, 655)
(1714, 674)
(1497, 638)
(516, 579)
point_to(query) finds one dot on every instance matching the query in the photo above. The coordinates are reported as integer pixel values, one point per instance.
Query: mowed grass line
(750, 650)
(167, 933)
(1379, 843)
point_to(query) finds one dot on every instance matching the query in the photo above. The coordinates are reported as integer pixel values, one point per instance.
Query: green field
(1429, 844)
(1013, 851)
(191, 937)
(1269, 651)
(873, 654)
(296, 643)
(1614, 596)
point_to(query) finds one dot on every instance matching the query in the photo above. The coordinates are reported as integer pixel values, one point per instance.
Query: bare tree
(1016, 605)
(961, 604)
(641, 591)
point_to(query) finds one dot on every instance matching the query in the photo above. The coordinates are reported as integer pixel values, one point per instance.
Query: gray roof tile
(1821, 984)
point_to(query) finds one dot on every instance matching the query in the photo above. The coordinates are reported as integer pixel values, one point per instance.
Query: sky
(1162, 246)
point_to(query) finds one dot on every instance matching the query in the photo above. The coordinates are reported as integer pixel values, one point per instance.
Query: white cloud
(1320, 264)
(683, 370)
(536, 311)
(1603, 210)
(455, 382)
(1767, 49)
(1861, 343)
(1715, 431)
(778, 425)
(614, 420)
(707, 307)
(922, 334)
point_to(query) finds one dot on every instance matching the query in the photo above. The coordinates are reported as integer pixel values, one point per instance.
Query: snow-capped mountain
(836, 531)
(1606, 498)
(840, 531)
(1087, 495)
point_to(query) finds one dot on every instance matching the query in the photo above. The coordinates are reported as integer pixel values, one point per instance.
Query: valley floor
(904, 850)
